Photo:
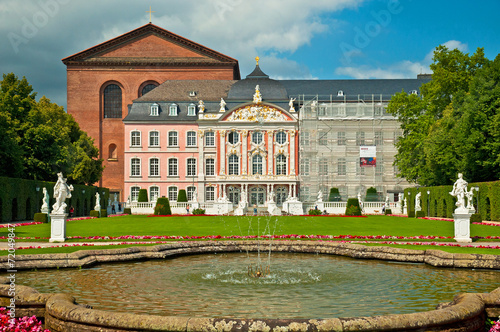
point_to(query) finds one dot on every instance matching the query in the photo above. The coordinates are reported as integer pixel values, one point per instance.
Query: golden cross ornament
(150, 11)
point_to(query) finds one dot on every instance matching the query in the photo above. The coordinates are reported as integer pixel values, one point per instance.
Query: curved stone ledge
(61, 313)
(87, 258)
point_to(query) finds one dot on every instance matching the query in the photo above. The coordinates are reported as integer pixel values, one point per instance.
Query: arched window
(154, 193)
(190, 192)
(234, 164)
(172, 138)
(257, 137)
(135, 138)
(281, 165)
(154, 138)
(134, 193)
(172, 167)
(112, 152)
(172, 194)
(112, 101)
(191, 138)
(147, 88)
(257, 166)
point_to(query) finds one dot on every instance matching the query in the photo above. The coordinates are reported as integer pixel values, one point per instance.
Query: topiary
(352, 207)
(41, 217)
(182, 197)
(314, 212)
(371, 195)
(94, 213)
(411, 214)
(198, 212)
(476, 217)
(143, 195)
(127, 211)
(104, 213)
(162, 207)
(334, 195)
(420, 214)
(388, 211)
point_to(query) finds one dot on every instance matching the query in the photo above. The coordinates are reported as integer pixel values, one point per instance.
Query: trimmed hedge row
(440, 203)
(19, 199)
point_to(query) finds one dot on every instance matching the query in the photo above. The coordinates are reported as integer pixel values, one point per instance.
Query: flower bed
(22, 324)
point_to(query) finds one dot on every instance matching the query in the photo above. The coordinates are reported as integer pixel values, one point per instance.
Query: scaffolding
(332, 129)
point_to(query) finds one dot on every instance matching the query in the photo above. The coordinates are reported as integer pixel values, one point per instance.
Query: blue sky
(321, 39)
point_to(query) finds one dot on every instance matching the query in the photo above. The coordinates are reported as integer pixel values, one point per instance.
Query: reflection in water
(298, 286)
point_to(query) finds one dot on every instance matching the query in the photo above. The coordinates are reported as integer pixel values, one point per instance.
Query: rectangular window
(341, 138)
(379, 138)
(154, 138)
(154, 193)
(134, 193)
(135, 169)
(135, 138)
(305, 194)
(154, 110)
(397, 136)
(341, 166)
(323, 166)
(190, 193)
(172, 110)
(360, 170)
(192, 110)
(209, 194)
(172, 167)
(323, 138)
(172, 138)
(360, 138)
(379, 168)
(191, 167)
(210, 167)
(154, 167)
(191, 138)
(304, 166)
(304, 139)
(172, 194)
(210, 138)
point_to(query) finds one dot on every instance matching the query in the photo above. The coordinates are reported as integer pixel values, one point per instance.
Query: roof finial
(150, 11)
(257, 60)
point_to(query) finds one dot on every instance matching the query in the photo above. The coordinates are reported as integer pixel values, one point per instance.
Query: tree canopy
(454, 126)
(41, 139)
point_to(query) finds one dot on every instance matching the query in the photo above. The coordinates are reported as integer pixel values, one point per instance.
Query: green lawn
(241, 226)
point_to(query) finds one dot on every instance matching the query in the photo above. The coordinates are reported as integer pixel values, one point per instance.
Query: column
(291, 135)
(222, 152)
(244, 152)
(201, 157)
(270, 152)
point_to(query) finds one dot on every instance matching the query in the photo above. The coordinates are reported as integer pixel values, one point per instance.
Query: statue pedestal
(242, 209)
(58, 227)
(462, 226)
(273, 209)
(194, 206)
(293, 207)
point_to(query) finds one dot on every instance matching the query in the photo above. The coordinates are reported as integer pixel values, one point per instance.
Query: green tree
(143, 195)
(430, 150)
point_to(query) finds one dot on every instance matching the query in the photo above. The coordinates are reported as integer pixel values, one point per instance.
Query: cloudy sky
(320, 39)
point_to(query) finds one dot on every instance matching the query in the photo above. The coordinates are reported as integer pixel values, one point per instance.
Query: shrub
(371, 195)
(94, 213)
(127, 211)
(420, 214)
(476, 217)
(334, 195)
(314, 212)
(198, 212)
(388, 211)
(143, 195)
(104, 213)
(353, 208)
(182, 197)
(411, 214)
(162, 207)
(41, 217)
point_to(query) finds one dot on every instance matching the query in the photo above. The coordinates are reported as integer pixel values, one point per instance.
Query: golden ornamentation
(257, 113)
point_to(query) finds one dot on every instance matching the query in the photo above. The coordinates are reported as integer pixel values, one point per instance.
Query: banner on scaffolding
(367, 156)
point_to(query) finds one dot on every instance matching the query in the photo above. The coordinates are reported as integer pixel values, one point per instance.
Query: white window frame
(341, 138)
(305, 166)
(156, 170)
(152, 191)
(134, 193)
(173, 193)
(257, 165)
(210, 166)
(154, 110)
(135, 170)
(172, 110)
(209, 194)
(173, 167)
(191, 138)
(191, 167)
(233, 166)
(210, 138)
(191, 110)
(135, 138)
(323, 167)
(153, 140)
(379, 138)
(173, 138)
(189, 192)
(281, 164)
(259, 135)
(281, 137)
(341, 167)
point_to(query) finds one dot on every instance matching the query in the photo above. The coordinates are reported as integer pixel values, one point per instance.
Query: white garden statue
(222, 105)
(61, 192)
(97, 206)
(470, 195)
(45, 201)
(459, 190)
(290, 103)
(418, 207)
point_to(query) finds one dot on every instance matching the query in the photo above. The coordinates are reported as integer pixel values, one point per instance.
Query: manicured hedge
(143, 195)
(334, 195)
(352, 207)
(442, 204)
(19, 199)
(182, 197)
(162, 207)
(41, 217)
(94, 213)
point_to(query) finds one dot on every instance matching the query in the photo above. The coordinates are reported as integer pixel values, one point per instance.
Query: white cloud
(402, 69)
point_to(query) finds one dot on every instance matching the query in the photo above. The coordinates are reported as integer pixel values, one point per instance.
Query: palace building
(169, 114)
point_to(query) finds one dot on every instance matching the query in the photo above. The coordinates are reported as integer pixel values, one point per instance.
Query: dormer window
(414, 92)
(154, 110)
(172, 111)
(192, 109)
(340, 93)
